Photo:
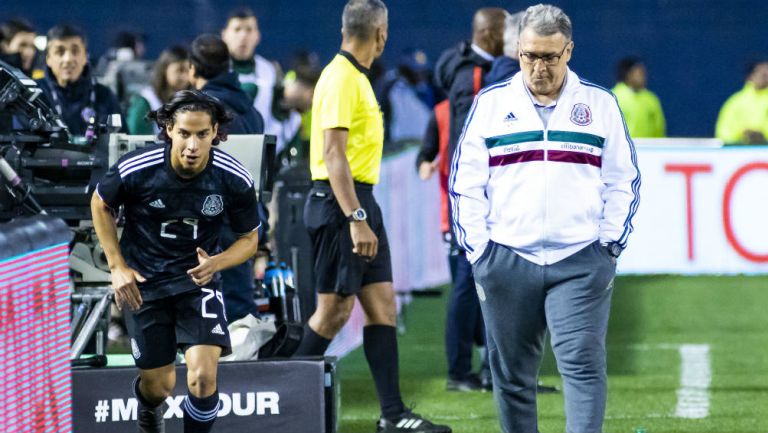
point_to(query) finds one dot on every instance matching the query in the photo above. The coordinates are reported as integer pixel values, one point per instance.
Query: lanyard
(57, 102)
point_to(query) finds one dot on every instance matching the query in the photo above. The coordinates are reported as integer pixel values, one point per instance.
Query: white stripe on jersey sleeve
(231, 159)
(233, 165)
(137, 157)
(247, 179)
(141, 161)
(139, 167)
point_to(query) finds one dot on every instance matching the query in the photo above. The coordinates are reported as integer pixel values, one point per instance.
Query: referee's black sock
(312, 343)
(380, 346)
(200, 413)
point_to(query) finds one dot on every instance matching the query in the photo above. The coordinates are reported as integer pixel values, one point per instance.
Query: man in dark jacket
(68, 84)
(460, 72)
(209, 72)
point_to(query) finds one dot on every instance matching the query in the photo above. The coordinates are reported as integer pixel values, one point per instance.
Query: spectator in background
(68, 84)
(17, 47)
(258, 76)
(407, 97)
(641, 108)
(460, 73)
(209, 72)
(744, 116)
(169, 75)
(504, 67)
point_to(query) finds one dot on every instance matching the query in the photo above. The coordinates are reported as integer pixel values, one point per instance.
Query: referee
(344, 221)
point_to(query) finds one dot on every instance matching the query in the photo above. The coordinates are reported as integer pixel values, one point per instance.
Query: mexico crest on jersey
(213, 205)
(581, 114)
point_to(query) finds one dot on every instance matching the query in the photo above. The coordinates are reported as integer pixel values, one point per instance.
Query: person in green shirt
(641, 107)
(744, 116)
(169, 75)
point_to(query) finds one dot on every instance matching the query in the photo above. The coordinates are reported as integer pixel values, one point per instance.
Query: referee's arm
(340, 176)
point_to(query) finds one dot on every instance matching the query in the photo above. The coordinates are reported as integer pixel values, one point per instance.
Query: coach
(544, 186)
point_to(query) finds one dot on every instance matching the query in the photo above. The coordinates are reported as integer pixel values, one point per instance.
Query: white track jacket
(545, 192)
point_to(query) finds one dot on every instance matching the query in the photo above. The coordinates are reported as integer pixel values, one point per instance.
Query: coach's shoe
(411, 423)
(151, 420)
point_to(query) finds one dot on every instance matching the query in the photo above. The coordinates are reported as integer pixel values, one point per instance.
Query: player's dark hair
(209, 55)
(625, 65)
(191, 100)
(752, 65)
(14, 26)
(241, 13)
(66, 31)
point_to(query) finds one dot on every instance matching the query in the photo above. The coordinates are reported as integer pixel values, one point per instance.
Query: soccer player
(166, 266)
(351, 253)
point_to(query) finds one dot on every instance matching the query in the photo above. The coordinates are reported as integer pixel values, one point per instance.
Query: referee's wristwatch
(614, 249)
(358, 215)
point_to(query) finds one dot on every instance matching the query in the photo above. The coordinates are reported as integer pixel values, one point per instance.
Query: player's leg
(153, 346)
(201, 330)
(201, 406)
(331, 314)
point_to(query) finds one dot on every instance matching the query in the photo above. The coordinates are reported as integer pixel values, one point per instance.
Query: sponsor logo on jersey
(581, 114)
(217, 329)
(158, 204)
(509, 118)
(213, 205)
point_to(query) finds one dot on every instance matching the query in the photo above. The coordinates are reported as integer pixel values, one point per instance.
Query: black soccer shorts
(336, 268)
(162, 326)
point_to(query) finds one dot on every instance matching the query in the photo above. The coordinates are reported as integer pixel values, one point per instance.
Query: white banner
(702, 211)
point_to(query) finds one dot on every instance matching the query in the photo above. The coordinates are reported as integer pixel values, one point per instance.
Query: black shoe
(546, 389)
(409, 422)
(151, 420)
(471, 383)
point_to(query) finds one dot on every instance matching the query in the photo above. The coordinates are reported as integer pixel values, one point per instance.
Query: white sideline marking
(695, 378)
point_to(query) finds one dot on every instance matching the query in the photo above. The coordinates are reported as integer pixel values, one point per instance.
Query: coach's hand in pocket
(202, 274)
(127, 292)
(364, 240)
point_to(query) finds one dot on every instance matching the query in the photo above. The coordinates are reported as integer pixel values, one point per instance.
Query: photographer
(69, 86)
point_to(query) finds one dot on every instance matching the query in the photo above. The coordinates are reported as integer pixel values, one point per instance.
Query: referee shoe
(411, 423)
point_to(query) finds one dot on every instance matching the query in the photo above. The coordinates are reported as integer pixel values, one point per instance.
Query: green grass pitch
(650, 318)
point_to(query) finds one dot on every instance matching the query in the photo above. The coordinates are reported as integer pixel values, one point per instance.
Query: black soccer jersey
(167, 217)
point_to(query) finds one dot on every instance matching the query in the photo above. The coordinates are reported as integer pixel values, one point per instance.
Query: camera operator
(69, 86)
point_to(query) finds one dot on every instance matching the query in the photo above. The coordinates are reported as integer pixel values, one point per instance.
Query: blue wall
(695, 51)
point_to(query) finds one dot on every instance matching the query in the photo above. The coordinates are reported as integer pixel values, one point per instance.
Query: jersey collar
(354, 62)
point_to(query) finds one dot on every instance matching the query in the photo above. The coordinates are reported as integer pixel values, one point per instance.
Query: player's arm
(240, 251)
(124, 278)
(364, 241)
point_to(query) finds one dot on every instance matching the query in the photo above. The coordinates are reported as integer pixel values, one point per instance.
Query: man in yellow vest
(744, 116)
(641, 108)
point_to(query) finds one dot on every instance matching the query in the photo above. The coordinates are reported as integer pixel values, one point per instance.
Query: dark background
(696, 50)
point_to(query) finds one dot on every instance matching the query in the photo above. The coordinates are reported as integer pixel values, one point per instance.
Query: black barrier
(289, 396)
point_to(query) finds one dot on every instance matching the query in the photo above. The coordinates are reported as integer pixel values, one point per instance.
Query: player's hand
(202, 274)
(753, 137)
(427, 169)
(127, 292)
(364, 241)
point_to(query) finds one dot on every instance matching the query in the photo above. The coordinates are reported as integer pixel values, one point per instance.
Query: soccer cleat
(151, 420)
(409, 422)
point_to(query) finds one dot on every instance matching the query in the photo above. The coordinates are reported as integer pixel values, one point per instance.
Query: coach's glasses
(548, 59)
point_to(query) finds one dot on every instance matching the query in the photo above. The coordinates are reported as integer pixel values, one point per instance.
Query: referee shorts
(336, 268)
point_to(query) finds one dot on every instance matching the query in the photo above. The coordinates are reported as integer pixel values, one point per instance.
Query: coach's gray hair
(546, 20)
(512, 33)
(361, 18)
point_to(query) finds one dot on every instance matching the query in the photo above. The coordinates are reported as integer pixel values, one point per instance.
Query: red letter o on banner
(729, 234)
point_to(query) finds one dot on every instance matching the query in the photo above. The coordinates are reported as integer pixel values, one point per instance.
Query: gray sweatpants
(520, 300)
